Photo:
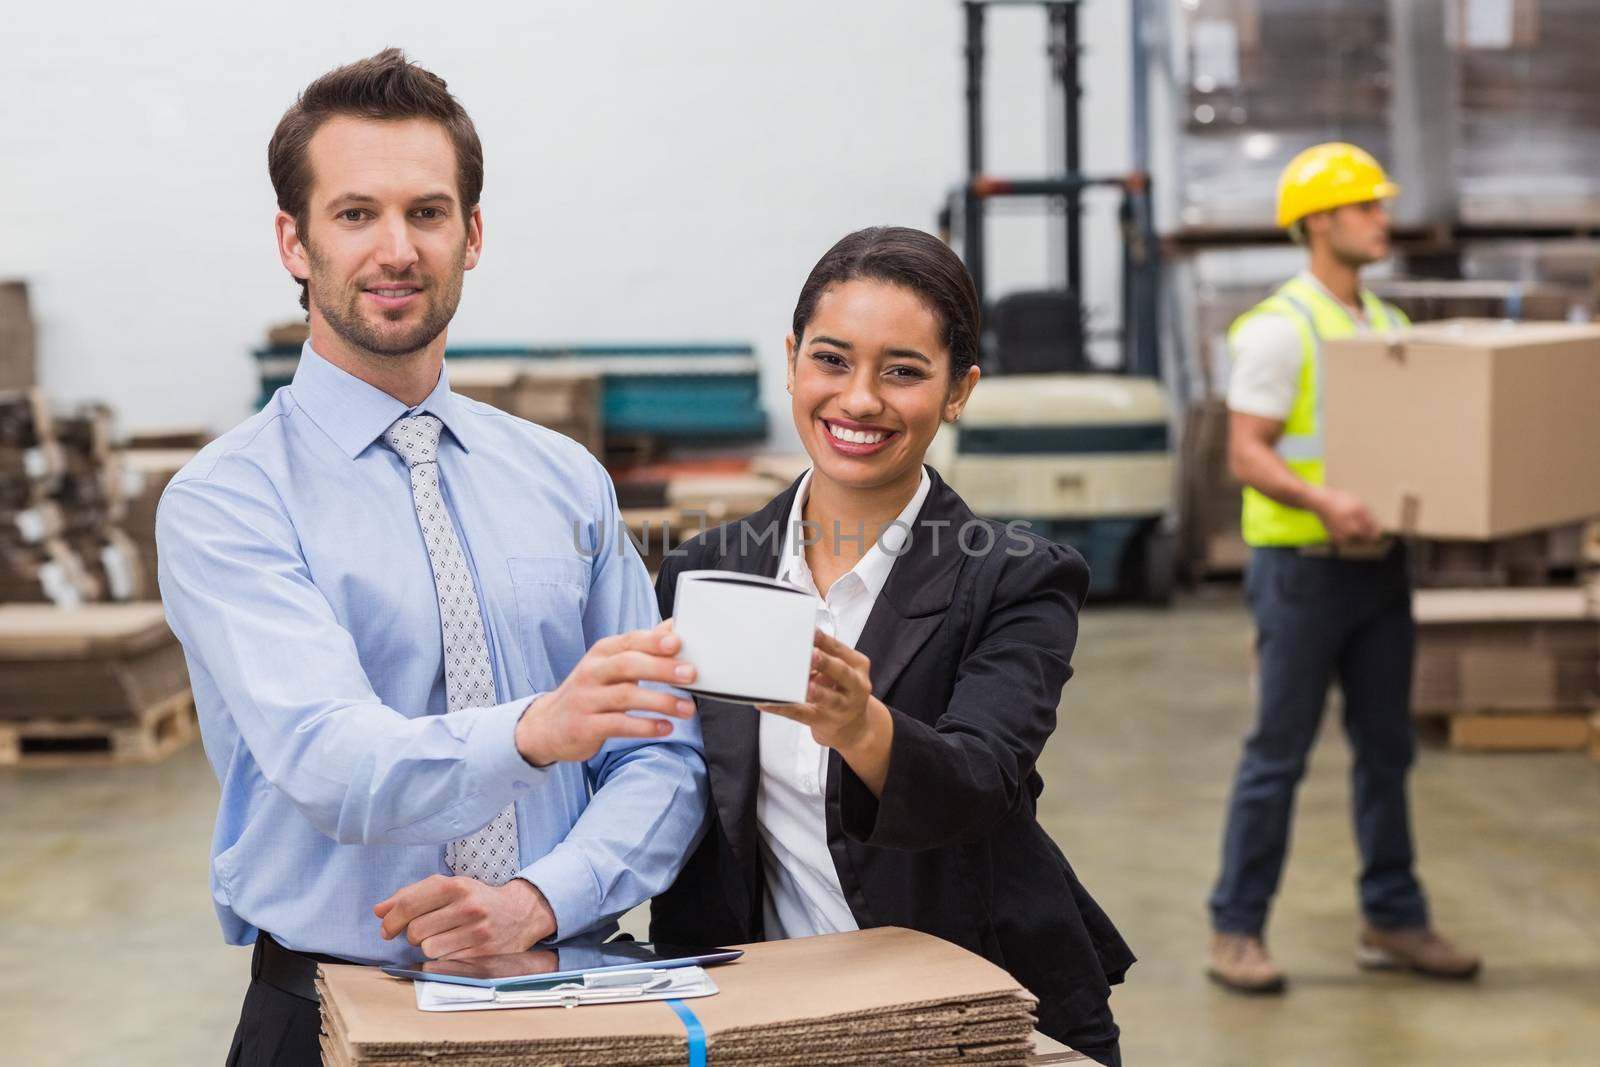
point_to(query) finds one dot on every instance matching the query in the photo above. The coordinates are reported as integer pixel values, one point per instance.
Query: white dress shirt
(803, 893)
(1266, 354)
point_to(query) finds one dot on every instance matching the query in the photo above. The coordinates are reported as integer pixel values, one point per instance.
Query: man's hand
(1345, 516)
(591, 706)
(459, 918)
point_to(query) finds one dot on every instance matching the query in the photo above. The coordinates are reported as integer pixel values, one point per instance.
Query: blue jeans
(1318, 620)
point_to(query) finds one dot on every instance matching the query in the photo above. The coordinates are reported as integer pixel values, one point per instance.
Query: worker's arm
(1253, 459)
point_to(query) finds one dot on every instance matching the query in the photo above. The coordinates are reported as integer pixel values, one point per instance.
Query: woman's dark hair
(913, 260)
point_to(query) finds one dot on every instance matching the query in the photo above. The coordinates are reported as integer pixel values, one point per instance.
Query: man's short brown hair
(386, 86)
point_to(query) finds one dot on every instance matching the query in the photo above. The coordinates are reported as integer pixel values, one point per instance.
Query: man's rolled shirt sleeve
(648, 808)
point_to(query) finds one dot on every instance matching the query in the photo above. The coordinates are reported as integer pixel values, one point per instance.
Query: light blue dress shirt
(294, 571)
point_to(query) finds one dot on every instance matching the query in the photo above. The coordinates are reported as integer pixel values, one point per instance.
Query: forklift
(1082, 454)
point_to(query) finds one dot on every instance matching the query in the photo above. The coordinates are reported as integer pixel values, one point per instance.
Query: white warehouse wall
(655, 171)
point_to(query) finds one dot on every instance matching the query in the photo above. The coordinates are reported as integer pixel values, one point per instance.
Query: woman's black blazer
(969, 650)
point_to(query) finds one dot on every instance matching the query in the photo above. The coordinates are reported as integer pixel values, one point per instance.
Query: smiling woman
(901, 793)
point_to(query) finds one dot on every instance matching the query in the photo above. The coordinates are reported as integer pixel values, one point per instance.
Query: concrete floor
(109, 953)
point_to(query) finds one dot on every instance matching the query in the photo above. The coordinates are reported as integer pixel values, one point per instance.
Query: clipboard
(603, 987)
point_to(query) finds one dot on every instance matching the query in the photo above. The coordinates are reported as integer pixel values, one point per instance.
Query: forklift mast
(1060, 313)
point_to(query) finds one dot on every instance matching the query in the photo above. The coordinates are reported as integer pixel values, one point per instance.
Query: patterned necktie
(490, 855)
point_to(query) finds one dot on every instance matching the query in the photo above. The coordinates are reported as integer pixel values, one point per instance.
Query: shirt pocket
(551, 594)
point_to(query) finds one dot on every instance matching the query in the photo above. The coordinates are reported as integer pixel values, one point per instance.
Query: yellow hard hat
(1327, 176)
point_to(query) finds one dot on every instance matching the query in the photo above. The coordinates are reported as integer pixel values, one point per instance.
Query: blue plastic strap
(697, 1033)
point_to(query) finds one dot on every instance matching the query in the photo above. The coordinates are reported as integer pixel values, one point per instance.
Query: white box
(748, 637)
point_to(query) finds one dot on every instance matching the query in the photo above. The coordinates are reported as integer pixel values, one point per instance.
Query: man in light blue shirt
(308, 556)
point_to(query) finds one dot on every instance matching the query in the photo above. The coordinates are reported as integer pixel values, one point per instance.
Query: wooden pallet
(90, 742)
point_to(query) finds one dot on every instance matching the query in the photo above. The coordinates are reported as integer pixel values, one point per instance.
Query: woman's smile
(857, 439)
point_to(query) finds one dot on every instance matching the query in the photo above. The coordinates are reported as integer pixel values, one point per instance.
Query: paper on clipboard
(613, 987)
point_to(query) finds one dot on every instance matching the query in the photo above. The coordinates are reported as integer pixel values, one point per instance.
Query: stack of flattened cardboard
(103, 682)
(869, 997)
(1512, 668)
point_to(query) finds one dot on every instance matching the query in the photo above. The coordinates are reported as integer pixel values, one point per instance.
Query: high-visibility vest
(1317, 317)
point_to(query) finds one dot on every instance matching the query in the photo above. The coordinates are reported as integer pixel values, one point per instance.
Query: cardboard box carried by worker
(1466, 428)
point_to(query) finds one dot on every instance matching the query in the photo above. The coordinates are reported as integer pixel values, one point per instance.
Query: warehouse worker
(1330, 597)
(371, 551)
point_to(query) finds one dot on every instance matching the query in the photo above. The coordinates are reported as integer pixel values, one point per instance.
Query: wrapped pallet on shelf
(1526, 151)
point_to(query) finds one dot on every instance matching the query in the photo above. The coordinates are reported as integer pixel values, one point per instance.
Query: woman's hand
(842, 712)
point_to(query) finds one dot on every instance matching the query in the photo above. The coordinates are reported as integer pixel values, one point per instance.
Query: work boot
(1419, 949)
(1239, 962)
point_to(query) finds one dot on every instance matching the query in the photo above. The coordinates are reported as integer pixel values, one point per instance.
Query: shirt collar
(1357, 313)
(873, 568)
(355, 413)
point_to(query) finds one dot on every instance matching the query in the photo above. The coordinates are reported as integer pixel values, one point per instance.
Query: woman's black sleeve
(953, 779)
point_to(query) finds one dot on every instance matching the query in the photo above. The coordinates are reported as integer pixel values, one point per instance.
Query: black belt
(286, 970)
(1361, 551)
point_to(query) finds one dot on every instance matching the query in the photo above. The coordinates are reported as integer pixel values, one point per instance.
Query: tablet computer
(562, 961)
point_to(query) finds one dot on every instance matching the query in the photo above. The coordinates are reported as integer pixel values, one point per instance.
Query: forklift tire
(1152, 567)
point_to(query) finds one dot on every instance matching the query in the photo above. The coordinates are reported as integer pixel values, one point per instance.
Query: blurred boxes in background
(18, 362)
(1557, 556)
(1429, 299)
(148, 471)
(1210, 542)
(65, 494)
(1467, 428)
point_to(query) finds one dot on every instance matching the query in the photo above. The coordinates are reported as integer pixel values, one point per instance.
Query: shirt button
(520, 785)
(809, 784)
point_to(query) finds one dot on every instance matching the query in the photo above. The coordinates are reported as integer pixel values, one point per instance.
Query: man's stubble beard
(354, 329)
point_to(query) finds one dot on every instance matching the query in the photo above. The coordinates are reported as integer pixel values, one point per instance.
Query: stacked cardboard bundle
(567, 402)
(1511, 668)
(103, 682)
(62, 498)
(884, 996)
